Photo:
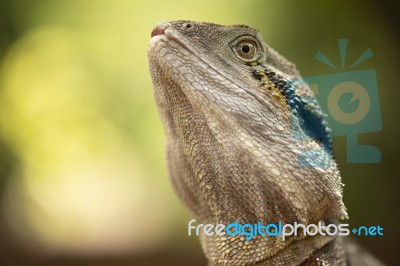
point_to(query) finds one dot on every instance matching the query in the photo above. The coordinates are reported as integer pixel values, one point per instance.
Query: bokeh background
(82, 172)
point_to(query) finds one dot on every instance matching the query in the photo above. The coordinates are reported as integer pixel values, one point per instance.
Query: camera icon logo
(351, 101)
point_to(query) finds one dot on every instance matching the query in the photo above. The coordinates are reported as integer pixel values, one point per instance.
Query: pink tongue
(158, 30)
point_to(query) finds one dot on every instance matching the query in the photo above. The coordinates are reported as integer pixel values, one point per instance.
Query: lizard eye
(247, 49)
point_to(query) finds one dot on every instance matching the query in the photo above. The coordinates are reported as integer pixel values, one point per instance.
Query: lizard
(246, 141)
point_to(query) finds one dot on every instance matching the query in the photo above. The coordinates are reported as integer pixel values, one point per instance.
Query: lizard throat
(311, 120)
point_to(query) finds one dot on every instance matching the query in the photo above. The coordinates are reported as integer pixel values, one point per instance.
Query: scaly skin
(239, 135)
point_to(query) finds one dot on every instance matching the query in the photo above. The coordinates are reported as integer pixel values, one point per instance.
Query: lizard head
(246, 140)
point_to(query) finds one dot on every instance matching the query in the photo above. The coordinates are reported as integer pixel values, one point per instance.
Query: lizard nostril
(158, 30)
(187, 25)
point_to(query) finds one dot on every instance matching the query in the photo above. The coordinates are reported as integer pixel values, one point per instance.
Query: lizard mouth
(162, 32)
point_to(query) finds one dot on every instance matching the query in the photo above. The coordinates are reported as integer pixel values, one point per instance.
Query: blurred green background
(82, 172)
